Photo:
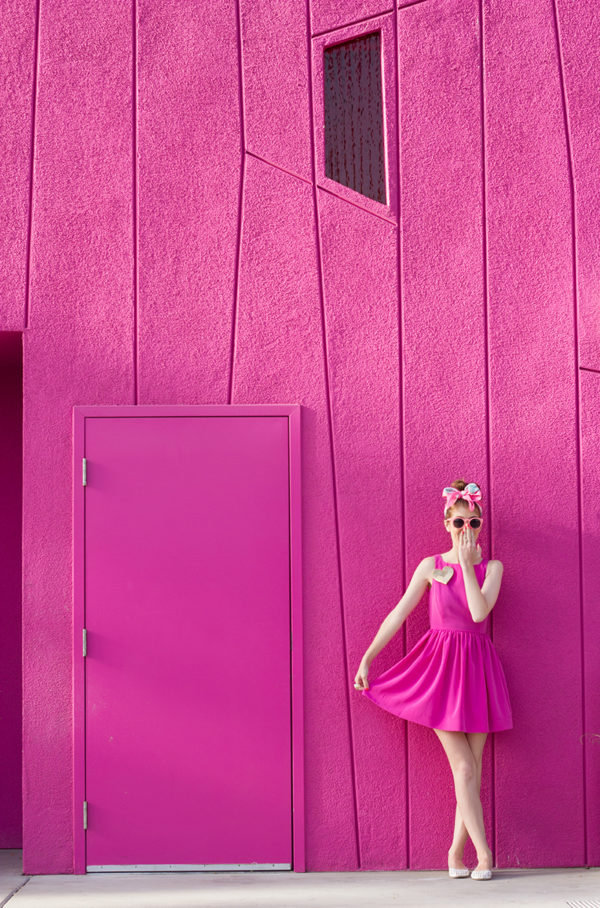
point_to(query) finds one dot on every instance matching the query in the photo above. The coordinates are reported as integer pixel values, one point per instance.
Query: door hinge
(85, 814)
(84, 642)
(84, 471)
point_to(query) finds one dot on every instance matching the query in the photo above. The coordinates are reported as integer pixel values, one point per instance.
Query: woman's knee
(465, 769)
(463, 761)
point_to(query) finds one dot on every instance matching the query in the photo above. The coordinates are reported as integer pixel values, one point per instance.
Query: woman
(452, 679)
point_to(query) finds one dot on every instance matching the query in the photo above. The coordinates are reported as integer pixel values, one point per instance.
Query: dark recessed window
(354, 153)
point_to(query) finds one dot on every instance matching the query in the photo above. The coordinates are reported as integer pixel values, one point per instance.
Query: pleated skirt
(451, 679)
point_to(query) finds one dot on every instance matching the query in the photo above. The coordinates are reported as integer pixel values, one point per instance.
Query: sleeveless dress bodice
(452, 678)
(448, 607)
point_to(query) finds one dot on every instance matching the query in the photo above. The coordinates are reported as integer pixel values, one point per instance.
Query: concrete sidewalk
(574, 888)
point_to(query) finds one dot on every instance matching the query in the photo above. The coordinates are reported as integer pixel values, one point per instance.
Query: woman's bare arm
(396, 618)
(485, 597)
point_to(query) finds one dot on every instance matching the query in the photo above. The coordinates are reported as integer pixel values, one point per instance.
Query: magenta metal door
(188, 751)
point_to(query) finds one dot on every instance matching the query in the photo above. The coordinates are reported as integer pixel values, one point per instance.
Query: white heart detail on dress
(443, 574)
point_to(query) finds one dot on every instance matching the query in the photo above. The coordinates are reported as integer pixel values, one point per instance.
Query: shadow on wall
(11, 460)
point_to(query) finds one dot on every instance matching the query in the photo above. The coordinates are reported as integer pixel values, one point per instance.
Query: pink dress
(452, 678)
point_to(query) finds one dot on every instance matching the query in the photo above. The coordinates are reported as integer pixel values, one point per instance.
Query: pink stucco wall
(166, 240)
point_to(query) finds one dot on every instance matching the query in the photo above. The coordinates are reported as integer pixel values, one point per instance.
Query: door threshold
(158, 868)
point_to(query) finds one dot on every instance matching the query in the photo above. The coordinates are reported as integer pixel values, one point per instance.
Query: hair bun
(460, 485)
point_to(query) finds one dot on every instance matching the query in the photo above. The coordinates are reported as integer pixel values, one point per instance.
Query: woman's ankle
(486, 858)
(456, 858)
(456, 851)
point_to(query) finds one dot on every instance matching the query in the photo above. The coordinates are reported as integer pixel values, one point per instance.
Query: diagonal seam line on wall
(290, 173)
(352, 22)
(341, 199)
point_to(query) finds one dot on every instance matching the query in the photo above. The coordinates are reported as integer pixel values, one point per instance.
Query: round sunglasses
(459, 522)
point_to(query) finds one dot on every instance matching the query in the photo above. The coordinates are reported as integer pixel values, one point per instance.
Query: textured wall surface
(165, 239)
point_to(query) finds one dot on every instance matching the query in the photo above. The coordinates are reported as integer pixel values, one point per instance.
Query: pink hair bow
(470, 493)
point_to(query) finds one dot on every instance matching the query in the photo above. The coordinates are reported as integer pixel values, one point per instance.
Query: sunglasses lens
(458, 522)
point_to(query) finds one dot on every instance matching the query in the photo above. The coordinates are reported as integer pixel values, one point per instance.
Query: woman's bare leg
(465, 773)
(456, 853)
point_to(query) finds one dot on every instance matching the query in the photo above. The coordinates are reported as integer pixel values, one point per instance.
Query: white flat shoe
(481, 874)
(458, 871)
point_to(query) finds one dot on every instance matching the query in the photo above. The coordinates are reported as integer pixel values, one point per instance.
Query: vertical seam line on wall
(572, 193)
(398, 165)
(488, 407)
(238, 244)
(36, 65)
(136, 202)
(330, 424)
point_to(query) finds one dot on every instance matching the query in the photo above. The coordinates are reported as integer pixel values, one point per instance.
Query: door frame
(83, 412)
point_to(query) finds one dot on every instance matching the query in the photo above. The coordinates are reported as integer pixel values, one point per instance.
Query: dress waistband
(460, 630)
